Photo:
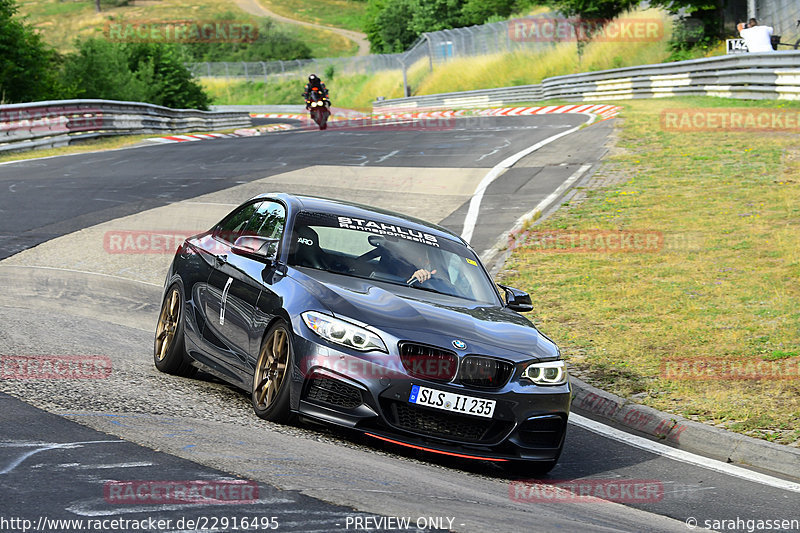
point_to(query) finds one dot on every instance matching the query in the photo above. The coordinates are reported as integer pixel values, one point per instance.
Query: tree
(594, 10)
(435, 15)
(139, 72)
(26, 63)
(708, 13)
(479, 11)
(393, 25)
(386, 25)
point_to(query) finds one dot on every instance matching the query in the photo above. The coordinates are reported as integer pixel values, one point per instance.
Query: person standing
(757, 38)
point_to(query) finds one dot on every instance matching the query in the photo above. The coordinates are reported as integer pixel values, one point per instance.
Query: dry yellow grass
(530, 67)
(108, 143)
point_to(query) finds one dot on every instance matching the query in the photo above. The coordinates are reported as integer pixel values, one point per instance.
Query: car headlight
(549, 373)
(344, 333)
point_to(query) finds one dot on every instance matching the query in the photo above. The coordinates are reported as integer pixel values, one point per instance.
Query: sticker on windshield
(393, 230)
(471, 261)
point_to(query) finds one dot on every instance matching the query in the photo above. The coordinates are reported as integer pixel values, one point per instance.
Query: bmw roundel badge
(459, 344)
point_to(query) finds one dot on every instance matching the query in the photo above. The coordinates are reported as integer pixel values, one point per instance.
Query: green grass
(60, 23)
(347, 14)
(723, 288)
(351, 92)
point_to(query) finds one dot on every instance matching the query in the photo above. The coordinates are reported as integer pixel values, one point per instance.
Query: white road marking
(387, 156)
(82, 272)
(541, 206)
(496, 171)
(681, 455)
(48, 446)
(115, 465)
(83, 509)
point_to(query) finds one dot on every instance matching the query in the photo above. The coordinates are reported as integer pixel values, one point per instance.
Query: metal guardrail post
(430, 51)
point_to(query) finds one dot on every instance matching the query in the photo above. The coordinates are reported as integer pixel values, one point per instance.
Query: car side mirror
(262, 249)
(517, 300)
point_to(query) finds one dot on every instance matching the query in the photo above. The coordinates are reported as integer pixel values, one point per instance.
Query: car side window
(268, 221)
(235, 223)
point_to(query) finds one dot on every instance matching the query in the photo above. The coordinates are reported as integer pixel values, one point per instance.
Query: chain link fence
(783, 16)
(529, 33)
(432, 47)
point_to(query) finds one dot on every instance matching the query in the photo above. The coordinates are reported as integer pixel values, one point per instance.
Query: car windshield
(388, 252)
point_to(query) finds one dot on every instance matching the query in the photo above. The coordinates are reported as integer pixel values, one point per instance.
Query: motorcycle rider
(315, 83)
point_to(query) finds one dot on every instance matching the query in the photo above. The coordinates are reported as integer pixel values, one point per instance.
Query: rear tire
(272, 375)
(169, 349)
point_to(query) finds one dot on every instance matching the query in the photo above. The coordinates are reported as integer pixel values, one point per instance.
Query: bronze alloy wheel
(169, 351)
(167, 324)
(270, 385)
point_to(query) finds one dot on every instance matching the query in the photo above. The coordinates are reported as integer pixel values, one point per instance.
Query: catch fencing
(746, 76)
(431, 47)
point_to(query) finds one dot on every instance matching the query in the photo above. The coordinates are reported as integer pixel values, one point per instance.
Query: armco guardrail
(58, 123)
(746, 76)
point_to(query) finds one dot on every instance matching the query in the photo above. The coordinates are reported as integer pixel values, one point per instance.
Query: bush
(271, 44)
(139, 72)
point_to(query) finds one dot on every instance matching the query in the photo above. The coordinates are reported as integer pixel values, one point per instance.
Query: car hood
(430, 318)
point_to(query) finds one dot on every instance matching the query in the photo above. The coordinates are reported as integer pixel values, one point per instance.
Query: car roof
(351, 209)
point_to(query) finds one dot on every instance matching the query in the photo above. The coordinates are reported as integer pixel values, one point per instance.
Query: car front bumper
(370, 393)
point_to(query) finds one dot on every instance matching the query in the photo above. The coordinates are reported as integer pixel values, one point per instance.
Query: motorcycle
(319, 108)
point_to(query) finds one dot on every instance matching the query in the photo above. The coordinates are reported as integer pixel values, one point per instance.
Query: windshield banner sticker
(391, 230)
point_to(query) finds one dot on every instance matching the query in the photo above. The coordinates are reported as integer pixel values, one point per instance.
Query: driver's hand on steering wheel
(421, 275)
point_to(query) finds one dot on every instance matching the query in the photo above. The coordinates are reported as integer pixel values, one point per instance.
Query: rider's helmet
(313, 79)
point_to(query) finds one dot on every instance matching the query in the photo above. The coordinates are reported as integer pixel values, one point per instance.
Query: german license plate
(449, 401)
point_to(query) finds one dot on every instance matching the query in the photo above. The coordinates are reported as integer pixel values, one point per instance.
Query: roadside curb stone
(683, 434)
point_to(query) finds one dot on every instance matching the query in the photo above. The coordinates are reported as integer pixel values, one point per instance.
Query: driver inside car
(418, 261)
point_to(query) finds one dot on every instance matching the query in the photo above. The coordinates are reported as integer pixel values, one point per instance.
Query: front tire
(169, 349)
(271, 383)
